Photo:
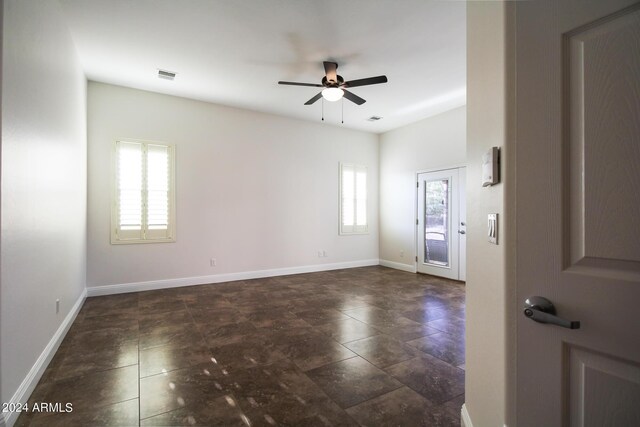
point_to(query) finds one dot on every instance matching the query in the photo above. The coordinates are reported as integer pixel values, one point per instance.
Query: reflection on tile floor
(363, 346)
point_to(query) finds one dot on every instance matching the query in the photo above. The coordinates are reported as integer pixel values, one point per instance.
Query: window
(353, 199)
(144, 193)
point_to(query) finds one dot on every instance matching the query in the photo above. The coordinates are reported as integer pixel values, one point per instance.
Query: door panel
(602, 75)
(439, 223)
(589, 374)
(577, 210)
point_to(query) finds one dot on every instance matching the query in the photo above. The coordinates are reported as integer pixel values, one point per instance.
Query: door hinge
(417, 221)
(416, 258)
(417, 184)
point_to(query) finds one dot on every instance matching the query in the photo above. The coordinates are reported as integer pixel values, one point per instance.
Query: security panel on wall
(491, 167)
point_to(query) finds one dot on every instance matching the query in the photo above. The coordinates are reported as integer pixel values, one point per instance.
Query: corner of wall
(398, 266)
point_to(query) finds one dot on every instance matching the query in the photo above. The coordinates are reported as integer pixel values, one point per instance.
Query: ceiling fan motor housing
(331, 83)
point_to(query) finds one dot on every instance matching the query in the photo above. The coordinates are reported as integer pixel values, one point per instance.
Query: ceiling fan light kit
(332, 94)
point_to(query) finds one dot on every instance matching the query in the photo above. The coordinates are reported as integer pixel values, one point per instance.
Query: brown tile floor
(368, 346)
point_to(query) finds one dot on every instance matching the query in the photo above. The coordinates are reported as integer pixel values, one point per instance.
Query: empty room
(319, 212)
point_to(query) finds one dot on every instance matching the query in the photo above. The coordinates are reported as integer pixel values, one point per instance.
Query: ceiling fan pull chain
(323, 109)
(342, 110)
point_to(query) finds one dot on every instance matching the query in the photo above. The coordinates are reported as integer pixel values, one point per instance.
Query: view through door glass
(436, 222)
(439, 199)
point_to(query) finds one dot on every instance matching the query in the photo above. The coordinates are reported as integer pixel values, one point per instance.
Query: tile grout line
(324, 393)
(380, 395)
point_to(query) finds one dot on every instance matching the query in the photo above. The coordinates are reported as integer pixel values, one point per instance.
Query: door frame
(416, 240)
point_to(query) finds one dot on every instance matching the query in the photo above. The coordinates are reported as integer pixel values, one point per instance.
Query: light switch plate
(492, 228)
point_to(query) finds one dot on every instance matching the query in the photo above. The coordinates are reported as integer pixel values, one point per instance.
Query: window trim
(357, 229)
(114, 228)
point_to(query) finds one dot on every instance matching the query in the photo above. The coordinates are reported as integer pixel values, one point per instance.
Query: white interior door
(439, 223)
(578, 211)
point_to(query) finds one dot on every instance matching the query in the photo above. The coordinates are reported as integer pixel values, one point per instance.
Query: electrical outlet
(324, 254)
(57, 306)
(213, 262)
(401, 254)
(319, 254)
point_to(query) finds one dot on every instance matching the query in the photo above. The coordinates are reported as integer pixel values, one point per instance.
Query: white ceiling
(233, 52)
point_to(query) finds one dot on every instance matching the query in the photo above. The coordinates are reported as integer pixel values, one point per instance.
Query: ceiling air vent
(374, 118)
(167, 75)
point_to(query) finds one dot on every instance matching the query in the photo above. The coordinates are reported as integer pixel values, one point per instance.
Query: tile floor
(370, 346)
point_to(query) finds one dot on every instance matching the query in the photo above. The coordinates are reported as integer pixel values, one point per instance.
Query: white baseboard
(398, 266)
(465, 419)
(219, 278)
(35, 373)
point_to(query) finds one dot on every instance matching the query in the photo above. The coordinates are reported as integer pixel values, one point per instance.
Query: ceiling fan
(335, 86)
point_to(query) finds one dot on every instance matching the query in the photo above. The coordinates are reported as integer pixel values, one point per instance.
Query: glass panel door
(440, 226)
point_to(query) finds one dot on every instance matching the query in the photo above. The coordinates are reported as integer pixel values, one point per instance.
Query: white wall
(489, 285)
(434, 143)
(44, 177)
(255, 191)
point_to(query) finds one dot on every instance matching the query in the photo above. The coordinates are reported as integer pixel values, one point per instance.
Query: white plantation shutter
(353, 199)
(348, 196)
(157, 191)
(144, 194)
(129, 190)
(361, 198)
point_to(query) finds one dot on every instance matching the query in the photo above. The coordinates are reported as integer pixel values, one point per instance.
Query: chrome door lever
(462, 232)
(542, 310)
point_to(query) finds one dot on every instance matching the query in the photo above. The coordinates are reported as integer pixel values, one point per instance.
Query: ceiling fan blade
(366, 82)
(352, 97)
(330, 70)
(300, 84)
(314, 99)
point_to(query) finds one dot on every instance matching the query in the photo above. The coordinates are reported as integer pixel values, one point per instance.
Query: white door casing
(462, 224)
(578, 211)
(441, 245)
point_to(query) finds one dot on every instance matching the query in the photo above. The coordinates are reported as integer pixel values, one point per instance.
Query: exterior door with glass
(441, 224)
